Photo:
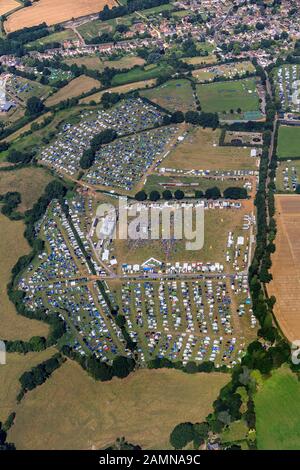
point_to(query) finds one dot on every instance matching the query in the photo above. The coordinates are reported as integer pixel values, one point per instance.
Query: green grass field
(156, 10)
(173, 95)
(98, 27)
(278, 412)
(236, 432)
(224, 96)
(288, 142)
(138, 74)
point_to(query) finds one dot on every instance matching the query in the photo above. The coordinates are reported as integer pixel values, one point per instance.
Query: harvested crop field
(286, 266)
(12, 246)
(10, 386)
(8, 5)
(144, 408)
(52, 12)
(201, 151)
(75, 88)
(29, 182)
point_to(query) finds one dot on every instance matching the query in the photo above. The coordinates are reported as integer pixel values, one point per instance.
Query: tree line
(37, 375)
(232, 192)
(104, 137)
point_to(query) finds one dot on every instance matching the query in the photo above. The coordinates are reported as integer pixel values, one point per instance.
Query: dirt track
(286, 266)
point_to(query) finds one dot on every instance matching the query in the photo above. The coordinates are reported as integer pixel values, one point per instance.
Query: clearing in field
(278, 412)
(12, 246)
(201, 151)
(29, 182)
(75, 88)
(52, 12)
(16, 365)
(8, 5)
(144, 408)
(286, 266)
(174, 95)
(222, 97)
(288, 142)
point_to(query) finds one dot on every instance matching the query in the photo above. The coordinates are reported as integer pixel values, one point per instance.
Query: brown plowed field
(286, 266)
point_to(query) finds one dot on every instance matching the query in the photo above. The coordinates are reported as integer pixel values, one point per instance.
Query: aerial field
(12, 246)
(8, 5)
(16, 365)
(22, 89)
(226, 70)
(29, 182)
(278, 412)
(142, 73)
(95, 63)
(118, 89)
(288, 142)
(287, 175)
(94, 28)
(217, 224)
(12, 137)
(144, 408)
(35, 141)
(222, 97)
(201, 60)
(188, 184)
(174, 95)
(60, 36)
(75, 88)
(200, 151)
(52, 12)
(286, 266)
